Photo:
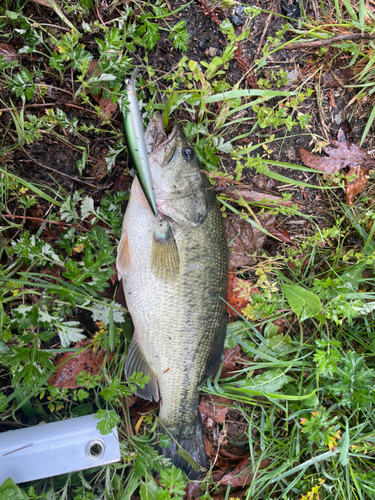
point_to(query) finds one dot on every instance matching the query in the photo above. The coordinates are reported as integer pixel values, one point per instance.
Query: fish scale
(178, 311)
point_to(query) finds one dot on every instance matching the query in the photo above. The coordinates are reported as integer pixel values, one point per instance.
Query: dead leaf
(282, 234)
(241, 475)
(245, 239)
(231, 358)
(345, 132)
(8, 52)
(301, 257)
(331, 99)
(337, 78)
(44, 3)
(193, 490)
(105, 105)
(236, 291)
(342, 153)
(322, 163)
(251, 195)
(264, 182)
(88, 360)
(214, 407)
(357, 185)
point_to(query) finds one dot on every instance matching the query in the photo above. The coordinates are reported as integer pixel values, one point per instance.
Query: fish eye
(188, 153)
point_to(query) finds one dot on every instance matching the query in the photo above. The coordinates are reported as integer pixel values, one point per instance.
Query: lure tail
(191, 441)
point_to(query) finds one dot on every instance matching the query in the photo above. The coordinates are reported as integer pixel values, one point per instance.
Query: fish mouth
(156, 139)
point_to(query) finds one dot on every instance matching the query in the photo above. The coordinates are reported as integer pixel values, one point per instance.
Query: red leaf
(231, 358)
(241, 475)
(214, 408)
(322, 163)
(105, 104)
(356, 186)
(88, 360)
(245, 239)
(282, 234)
(237, 289)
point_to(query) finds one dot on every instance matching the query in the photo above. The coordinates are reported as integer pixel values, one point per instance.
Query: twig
(328, 41)
(42, 105)
(39, 219)
(321, 114)
(60, 173)
(262, 37)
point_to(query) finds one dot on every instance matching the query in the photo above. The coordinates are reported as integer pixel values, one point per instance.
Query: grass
(304, 392)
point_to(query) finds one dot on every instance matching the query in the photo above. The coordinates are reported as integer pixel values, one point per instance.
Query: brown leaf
(241, 475)
(105, 105)
(251, 195)
(88, 360)
(192, 490)
(236, 291)
(231, 358)
(338, 77)
(214, 407)
(8, 52)
(246, 239)
(44, 3)
(327, 165)
(301, 257)
(348, 153)
(282, 234)
(356, 186)
(345, 132)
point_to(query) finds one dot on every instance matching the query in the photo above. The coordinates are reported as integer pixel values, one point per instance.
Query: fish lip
(155, 136)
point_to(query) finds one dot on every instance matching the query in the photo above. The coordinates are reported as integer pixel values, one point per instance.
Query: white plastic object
(48, 450)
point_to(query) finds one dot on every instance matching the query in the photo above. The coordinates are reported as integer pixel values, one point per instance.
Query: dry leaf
(241, 475)
(327, 165)
(282, 234)
(246, 239)
(357, 185)
(342, 153)
(88, 360)
(251, 195)
(44, 3)
(236, 291)
(8, 52)
(105, 105)
(213, 407)
(231, 358)
(338, 78)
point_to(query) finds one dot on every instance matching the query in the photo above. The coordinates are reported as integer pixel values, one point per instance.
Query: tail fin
(191, 440)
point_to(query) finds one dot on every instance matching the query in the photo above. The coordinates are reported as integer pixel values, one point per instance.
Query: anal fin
(136, 362)
(165, 260)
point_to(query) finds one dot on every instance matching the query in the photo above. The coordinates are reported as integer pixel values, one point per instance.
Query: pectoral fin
(136, 362)
(165, 260)
(123, 259)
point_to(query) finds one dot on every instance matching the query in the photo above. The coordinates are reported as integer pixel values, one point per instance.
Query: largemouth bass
(174, 273)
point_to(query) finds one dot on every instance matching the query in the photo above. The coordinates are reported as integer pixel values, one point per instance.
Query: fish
(174, 273)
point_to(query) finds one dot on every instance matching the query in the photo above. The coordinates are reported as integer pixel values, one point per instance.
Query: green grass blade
(369, 123)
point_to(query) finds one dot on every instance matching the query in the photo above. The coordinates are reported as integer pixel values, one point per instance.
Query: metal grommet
(95, 449)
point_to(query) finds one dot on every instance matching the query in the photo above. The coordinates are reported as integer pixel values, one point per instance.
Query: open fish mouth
(155, 137)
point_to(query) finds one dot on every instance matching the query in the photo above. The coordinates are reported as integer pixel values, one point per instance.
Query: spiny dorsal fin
(165, 261)
(136, 362)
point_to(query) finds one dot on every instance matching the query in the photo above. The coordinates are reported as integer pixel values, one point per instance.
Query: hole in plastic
(95, 449)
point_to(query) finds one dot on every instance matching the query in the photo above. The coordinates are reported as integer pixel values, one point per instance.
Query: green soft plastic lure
(134, 136)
